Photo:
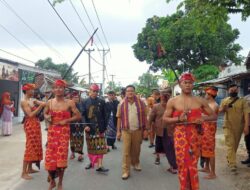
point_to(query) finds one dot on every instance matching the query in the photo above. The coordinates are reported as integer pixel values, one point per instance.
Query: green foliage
(83, 83)
(190, 38)
(168, 74)
(147, 82)
(206, 72)
(61, 68)
(114, 86)
(230, 6)
(57, 1)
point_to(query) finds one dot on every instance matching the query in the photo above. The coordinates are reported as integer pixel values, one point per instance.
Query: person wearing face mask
(236, 120)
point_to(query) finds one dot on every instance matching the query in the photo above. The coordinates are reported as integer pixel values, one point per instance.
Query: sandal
(157, 161)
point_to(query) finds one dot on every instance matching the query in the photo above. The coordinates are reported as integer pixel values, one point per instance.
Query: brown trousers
(131, 149)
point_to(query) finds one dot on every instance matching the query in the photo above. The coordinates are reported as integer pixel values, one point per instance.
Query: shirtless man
(208, 137)
(185, 111)
(31, 107)
(58, 112)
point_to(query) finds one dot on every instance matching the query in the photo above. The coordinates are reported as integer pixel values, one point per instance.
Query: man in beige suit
(131, 115)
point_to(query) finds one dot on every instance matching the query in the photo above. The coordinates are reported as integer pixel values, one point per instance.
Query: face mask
(233, 94)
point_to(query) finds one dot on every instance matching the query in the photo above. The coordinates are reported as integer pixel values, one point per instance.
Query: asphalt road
(76, 177)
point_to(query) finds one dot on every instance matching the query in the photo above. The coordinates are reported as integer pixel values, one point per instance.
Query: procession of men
(183, 128)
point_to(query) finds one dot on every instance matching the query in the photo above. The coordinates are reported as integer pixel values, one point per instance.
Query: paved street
(76, 177)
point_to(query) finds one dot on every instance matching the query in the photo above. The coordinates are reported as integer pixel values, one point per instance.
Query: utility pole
(89, 54)
(113, 85)
(104, 53)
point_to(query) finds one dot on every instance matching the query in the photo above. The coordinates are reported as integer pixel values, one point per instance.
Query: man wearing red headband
(6, 113)
(208, 136)
(60, 112)
(33, 151)
(94, 112)
(185, 112)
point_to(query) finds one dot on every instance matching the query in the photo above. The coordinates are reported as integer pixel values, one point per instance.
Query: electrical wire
(70, 30)
(100, 23)
(22, 43)
(31, 29)
(85, 10)
(84, 26)
(17, 56)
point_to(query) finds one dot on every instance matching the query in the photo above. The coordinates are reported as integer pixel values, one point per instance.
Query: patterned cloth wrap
(33, 150)
(58, 143)
(187, 150)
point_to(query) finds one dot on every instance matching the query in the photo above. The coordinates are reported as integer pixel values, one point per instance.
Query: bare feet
(59, 187)
(52, 185)
(210, 176)
(26, 176)
(204, 170)
(32, 171)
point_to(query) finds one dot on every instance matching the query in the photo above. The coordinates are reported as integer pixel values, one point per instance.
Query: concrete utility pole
(89, 54)
(104, 53)
(113, 85)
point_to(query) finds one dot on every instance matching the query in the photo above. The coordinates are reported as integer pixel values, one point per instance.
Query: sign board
(8, 72)
(27, 77)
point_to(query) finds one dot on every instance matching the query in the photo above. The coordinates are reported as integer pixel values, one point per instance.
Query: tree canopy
(147, 82)
(188, 40)
(230, 6)
(48, 64)
(116, 87)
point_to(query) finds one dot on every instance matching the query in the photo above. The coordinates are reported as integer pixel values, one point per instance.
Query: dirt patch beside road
(241, 181)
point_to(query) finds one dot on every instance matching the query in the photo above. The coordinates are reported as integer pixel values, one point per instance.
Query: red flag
(160, 50)
(92, 41)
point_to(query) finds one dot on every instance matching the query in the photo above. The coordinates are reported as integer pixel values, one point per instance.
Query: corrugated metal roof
(226, 79)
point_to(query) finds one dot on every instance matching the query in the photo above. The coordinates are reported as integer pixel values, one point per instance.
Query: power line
(32, 30)
(17, 56)
(84, 26)
(100, 23)
(70, 30)
(64, 23)
(22, 43)
(88, 73)
(91, 23)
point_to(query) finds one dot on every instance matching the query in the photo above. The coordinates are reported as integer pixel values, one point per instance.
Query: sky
(122, 20)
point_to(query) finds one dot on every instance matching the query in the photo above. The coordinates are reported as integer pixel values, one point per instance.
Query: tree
(83, 83)
(188, 42)
(230, 6)
(169, 75)
(116, 87)
(206, 72)
(61, 68)
(147, 82)
(57, 1)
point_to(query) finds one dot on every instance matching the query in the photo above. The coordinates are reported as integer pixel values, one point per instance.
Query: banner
(8, 72)
(27, 77)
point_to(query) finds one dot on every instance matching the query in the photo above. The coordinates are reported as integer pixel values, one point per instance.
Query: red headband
(187, 76)
(60, 82)
(29, 86)
(94, 87)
